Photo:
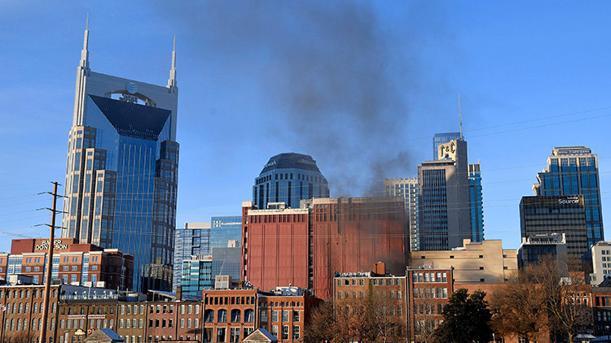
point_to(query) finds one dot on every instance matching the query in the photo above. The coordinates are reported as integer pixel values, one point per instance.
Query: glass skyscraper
(475, 186)
(122, 166)
(558, 214)
(198, 240)
(407, 189)
(444, 218)
(476, 198)
(574, 171)
(289, 178)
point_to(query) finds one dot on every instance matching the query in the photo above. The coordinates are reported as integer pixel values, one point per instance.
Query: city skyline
(206, 187)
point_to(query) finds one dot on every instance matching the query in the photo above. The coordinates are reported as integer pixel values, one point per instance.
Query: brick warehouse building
(222, 315)
(414, 299)
(73, 263)
(306, 246)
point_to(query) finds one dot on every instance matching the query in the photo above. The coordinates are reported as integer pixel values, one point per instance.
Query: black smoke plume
(342, 80)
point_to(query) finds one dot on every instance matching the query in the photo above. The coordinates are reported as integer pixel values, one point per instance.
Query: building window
(249, 316)
(285, 332)
(222, 316)
(208, 316)
(235, 316)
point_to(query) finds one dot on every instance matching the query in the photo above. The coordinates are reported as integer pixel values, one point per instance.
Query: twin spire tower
(121, 175)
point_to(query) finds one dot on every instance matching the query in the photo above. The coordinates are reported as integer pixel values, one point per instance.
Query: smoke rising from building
(340, 81)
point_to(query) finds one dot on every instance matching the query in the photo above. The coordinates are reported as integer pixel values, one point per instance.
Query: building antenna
(459, 117)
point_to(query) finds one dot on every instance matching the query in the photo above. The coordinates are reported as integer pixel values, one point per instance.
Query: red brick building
(429, 291)
(73, 263)
(306, 247)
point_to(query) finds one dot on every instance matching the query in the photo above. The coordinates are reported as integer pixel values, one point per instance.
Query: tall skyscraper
(407, 189)
(476, 198)
(574, 171)
(121, 174)
(475, 185)
(289, 178)
(558, 214)
(444, 215)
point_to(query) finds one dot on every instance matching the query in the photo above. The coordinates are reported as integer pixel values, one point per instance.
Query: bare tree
(369, 319)
(543, 298)
(519, 308)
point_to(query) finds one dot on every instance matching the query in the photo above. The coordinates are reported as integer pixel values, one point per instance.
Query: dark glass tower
(574, 171)
(121, 174)
(289, 178)
(558, 214)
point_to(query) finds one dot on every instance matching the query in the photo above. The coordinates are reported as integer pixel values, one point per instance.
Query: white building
(601, 262)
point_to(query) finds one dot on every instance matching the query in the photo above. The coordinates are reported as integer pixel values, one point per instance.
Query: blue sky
(531, 76)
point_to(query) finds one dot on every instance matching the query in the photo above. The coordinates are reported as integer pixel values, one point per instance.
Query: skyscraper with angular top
(121, 173)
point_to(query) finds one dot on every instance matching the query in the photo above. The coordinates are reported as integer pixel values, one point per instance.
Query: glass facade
(121, 172)
(549, 215)
(433, 214)
(289, 178)
(225, 229)
(407, 189)
(201, 239)
(574, 171)
(196, 276)
(476, 203)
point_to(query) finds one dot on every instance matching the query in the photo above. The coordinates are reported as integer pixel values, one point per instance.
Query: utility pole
(52, 227)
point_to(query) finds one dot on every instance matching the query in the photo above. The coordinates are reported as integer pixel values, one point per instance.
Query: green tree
(466, 319)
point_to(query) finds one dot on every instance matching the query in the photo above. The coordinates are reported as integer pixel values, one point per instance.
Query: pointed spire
(85, 51)
(460, 117)
(172, 79)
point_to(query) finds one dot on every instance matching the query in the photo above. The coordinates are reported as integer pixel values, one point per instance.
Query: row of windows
(431, 277)
(222, 300)
(365, 281)
(431, 293)
(236, 316)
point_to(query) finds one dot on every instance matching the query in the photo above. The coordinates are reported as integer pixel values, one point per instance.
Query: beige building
(474, 262)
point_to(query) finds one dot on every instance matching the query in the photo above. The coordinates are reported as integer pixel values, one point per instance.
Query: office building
(601, 263)
(472, 263)
(476, 199)
(289, 178)
(73, 263)
(122, 167)
(574, 171)
(537, 247)
(192, 240)
(443, 138)
(196, 240)
(225, 229)
(444, 215)
(306, 246)
(562, 215)
(407, 189)
(196, 276)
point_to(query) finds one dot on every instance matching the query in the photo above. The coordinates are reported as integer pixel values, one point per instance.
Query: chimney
(179, 293)
(379, 268)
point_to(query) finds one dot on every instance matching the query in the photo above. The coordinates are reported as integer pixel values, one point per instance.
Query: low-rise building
(473, 263)
(429, 291)
(601, 262)
(73, 263)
